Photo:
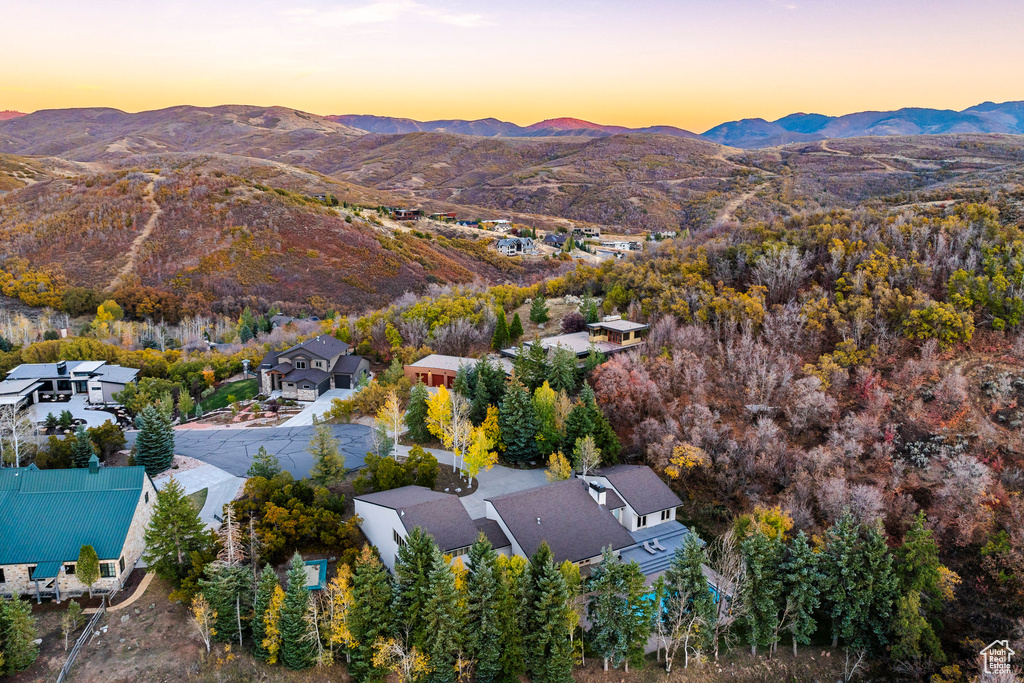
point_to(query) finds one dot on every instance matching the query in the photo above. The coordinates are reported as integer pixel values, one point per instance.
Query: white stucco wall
(378, 525)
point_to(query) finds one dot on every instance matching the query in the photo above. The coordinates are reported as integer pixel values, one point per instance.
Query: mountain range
(988, 117)
(188, 125)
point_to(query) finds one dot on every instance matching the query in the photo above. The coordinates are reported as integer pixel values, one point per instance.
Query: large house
(627, 508)
(511, 246)
(307, 370)
(609, 336)
(97, 379)
(48, 515)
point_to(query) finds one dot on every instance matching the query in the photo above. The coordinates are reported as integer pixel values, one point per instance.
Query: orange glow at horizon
(688, 63)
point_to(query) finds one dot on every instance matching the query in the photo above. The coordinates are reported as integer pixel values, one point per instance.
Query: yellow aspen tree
(272, 625)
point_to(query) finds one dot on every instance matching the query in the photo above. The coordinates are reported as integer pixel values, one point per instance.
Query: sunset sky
(689, 63)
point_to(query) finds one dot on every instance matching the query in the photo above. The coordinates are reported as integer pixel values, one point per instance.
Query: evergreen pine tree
(82, 448)
(917, 569)
(607, 610)
(370, 616)
(802, 587)
(917, 562)
(500, 339)
(879, 593)
(548, 641)
(536, 366)
(841, 576)
(562, 373)
(328, 462)
(175, 531)
(481, 402)
(685, 578)
(762, 554)
(264, 465)
(539, 310)
(518, 423)
(17, 635)
(512, 600)
(461, 383)
(261, 602)
(413, 564)
(587, 419)
(445, 620)
(296, 648)
(416, 413)
(227, 588)
(483, 637)
(515, 329)
(154, 444)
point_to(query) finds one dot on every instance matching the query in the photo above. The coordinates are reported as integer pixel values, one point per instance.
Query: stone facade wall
(16, 576)
(265, 382)
(307, 394)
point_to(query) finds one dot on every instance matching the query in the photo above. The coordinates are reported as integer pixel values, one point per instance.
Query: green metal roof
(47, 570)
(48, 515)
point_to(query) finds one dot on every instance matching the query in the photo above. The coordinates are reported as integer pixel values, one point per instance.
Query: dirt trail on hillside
(147, 230)
(726, 214)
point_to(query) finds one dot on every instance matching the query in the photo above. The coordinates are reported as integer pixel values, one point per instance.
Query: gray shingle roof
(269, 360)
(492, 530)
(641, 487)
(571, 521)
(313, 375)
(116, 374)
(348, 364)
(441, 515)
(324, 346)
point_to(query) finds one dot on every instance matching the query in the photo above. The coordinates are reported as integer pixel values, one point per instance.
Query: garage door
(343, 381)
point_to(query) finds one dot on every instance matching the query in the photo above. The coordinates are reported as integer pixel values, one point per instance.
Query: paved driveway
(220, 486)
(77, 406)
(317, 407)
(493, 482)
(232, 449)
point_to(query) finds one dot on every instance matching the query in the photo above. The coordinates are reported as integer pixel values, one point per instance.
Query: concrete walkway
(77, 405)
(143, 585)
(221, 488)
(317, 407)
(494, 482)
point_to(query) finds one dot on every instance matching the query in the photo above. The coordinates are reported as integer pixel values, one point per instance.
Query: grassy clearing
(245, 389)
(198, 498)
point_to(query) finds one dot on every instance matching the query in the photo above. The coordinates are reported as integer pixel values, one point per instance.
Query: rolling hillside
(220, 238)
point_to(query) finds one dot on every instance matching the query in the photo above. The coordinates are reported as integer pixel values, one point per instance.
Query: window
(307, 386)
(120, 563)
(641, 521)
(107, 570)
(300, 365)
(399, 539)
(31, 571)
(147, 496)
(615, 513)
(317, 364)
(666, 515)
(459, 552)
(3, 579)
(69, 569)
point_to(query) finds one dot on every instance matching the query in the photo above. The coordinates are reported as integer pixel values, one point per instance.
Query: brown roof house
(437, 370)
(307, 370)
